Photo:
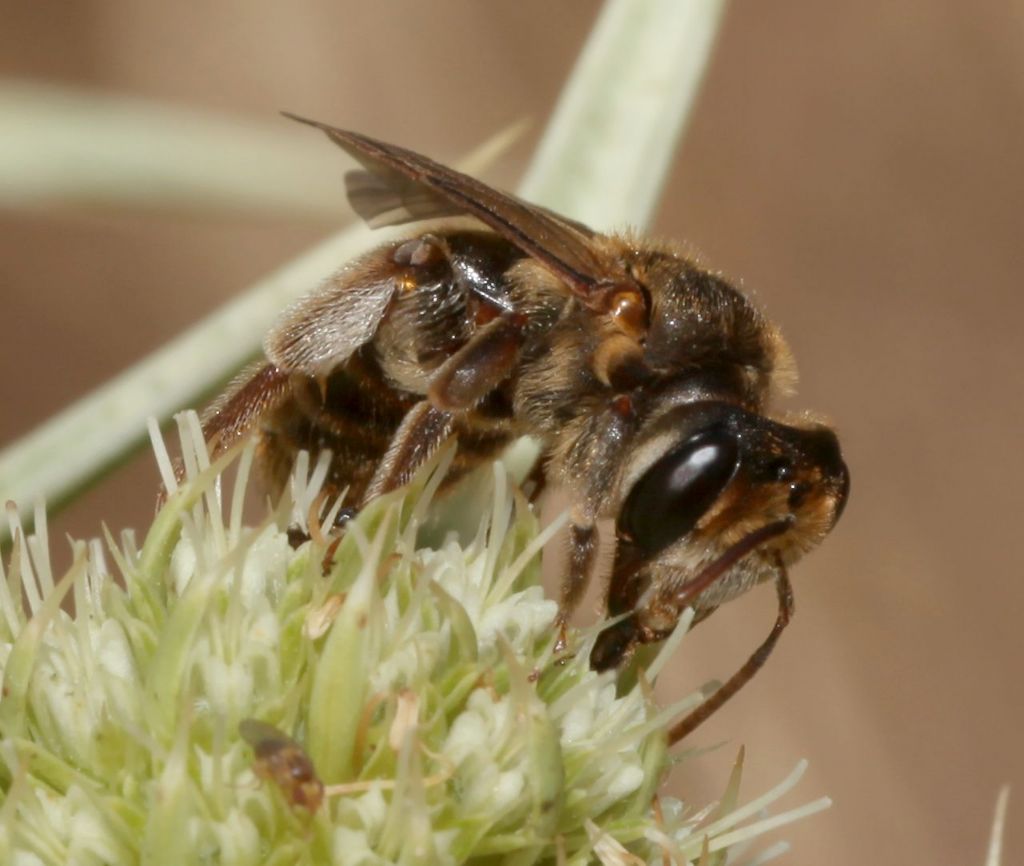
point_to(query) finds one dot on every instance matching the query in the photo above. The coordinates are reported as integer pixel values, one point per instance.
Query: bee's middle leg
(423, 430)
(459, 384)
(480, 366)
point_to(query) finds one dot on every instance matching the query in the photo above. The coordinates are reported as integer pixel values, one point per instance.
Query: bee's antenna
(753, 664)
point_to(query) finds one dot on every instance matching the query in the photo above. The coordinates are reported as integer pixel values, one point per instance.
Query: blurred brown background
(858, 166)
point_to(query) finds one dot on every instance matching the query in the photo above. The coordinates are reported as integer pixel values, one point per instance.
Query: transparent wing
(388, 198)
(400, 185)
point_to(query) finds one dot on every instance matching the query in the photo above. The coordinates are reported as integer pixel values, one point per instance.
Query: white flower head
(398, 703)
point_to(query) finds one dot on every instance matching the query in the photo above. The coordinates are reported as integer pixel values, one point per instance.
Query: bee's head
(704, 477)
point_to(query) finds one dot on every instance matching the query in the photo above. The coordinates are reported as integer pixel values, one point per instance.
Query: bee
(646, 379)
(279, 759)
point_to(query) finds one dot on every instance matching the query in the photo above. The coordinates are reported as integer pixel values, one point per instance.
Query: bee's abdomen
(353, 413)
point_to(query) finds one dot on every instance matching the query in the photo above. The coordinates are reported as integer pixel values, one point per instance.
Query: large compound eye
(670, 497)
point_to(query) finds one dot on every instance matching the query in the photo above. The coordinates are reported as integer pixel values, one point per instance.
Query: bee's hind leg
(255, 392)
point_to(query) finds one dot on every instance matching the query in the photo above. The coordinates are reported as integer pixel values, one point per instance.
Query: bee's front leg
(589, 470)
(654, 618)
(583, 542)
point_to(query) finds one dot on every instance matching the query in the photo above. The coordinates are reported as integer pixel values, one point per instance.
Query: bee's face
(704, 477)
